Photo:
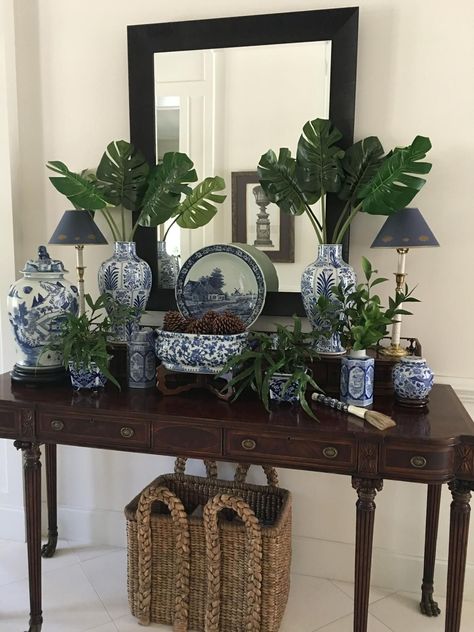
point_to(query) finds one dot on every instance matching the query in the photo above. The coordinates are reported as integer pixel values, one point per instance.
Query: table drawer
(332, 455)
(94, 430)
(417, 463)
(180, 439)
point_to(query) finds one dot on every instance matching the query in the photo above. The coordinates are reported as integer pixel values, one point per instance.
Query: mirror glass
(225, 107)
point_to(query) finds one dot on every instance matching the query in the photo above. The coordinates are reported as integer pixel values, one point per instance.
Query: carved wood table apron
(432, 446)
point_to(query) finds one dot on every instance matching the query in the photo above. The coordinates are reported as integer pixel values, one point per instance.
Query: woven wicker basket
(210, 570)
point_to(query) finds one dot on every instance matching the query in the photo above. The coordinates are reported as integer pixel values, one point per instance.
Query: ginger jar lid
(43, 265)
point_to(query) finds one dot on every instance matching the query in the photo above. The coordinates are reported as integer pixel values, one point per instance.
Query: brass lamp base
(394, 351)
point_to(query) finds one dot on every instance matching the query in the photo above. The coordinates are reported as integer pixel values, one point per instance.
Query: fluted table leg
(49, 548)
(427, 605)
(365, 516)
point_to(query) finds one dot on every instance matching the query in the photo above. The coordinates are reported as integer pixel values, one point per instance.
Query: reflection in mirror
(226, 107)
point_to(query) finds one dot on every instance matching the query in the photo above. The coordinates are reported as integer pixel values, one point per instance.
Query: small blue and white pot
(142, 360)
(412, 381)
(89, 377)
(319, 278)
(357, 379)
(277, 388)
(128, 279)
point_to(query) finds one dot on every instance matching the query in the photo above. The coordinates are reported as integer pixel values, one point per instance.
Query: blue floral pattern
(277, 388)
(89, 378)
(412, 379)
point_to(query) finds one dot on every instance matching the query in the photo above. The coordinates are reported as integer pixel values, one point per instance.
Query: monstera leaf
(394, 186)
(360, 163)
(122, 174)
(278, 179)
(81, 191)
(318, 158)
(199, 206)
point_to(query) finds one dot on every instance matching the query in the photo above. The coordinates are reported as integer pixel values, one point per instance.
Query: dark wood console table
(432, 446)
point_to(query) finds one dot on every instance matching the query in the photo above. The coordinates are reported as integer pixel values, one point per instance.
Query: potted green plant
(277, 366)
(83, 341)
(363, 176)
(356, 314)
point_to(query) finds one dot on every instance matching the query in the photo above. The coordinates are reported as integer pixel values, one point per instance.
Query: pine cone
(228, 324)
(173, 321)
(190, 326)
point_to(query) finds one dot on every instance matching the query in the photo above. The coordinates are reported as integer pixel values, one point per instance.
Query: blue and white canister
(357, 379)
(412, 381)
(142, 360)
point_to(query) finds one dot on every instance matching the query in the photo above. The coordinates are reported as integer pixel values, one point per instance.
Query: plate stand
(173, 383)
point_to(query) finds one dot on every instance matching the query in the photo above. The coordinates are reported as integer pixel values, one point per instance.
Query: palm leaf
(166, 184)
(278, 180)
(82, 192)
(199, 207)
(360, 163)
(122, 173)
(393, 186)
(318, 158)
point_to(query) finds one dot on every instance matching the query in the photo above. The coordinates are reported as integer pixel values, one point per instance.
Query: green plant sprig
(288, 350)
(356, 313)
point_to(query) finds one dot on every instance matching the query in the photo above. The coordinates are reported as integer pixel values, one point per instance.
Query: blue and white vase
(277, 386)
(142, 360)
(357, 379)
(36, 304)
(88, 377)
(128, 279)
(319, 278)
(412, 381)
(168, 267)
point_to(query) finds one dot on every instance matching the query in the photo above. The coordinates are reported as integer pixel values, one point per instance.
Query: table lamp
(77, 228)
(403, 230)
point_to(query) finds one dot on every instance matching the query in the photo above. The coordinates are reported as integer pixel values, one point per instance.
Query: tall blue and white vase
(412, 381)
(357, 379)
(128, 279)
(36, 305)
(319, 278)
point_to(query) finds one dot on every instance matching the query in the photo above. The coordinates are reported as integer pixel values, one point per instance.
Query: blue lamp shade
(405, 229)
(77, 227)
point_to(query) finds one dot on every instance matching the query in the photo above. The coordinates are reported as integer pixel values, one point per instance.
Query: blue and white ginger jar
(412, 380)
(35, 304)
(128, 279)
(319, 278)
(357, 379)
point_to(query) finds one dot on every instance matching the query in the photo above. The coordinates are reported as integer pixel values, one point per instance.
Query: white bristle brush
(379, 420)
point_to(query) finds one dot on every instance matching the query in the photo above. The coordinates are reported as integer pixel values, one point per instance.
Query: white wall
(413, 79)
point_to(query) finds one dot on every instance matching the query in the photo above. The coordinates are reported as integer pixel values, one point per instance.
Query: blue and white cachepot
(128, 279)
(412, 380)
(35, 304)
(90, 377)
(319, 278)
(142, 360)
(277, 388)
(357, 379)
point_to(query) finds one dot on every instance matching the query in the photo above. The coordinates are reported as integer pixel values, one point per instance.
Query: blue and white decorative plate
(221, 278)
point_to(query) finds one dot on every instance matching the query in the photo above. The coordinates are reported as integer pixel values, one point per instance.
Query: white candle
(401, 261)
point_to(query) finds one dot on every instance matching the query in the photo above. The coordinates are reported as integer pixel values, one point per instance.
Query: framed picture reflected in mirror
(258, 222)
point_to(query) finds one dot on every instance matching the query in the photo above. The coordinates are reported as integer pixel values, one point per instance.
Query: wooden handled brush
(379, 420)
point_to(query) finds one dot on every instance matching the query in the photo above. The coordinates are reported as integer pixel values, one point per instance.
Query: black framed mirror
(337, 26)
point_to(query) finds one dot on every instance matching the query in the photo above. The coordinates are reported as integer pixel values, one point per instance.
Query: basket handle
(180, 466)
(243, 468)
(180, 521)
(213, 554)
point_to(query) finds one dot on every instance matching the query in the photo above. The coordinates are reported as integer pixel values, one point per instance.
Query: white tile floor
(84, 589)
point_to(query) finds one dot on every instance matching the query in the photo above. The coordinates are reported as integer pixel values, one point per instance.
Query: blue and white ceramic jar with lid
(36, 303)
(412, 381)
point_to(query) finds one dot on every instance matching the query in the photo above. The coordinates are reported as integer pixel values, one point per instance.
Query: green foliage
(123, 180)
(367, 180)
(289, 350)
(83, 339)
(356, 314)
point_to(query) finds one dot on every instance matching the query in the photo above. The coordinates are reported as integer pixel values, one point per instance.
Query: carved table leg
(458, 537)
(49, 548)
(366, 490)
(427, 605)
(32, 480)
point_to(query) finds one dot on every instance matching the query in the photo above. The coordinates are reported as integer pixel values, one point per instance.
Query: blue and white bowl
(412, 380)
(197, 353)
(89, 377)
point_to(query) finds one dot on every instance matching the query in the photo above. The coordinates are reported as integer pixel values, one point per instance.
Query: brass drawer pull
(418, 461)
(330, 452)
(127, 432)
(57, 424)
(249, 444)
